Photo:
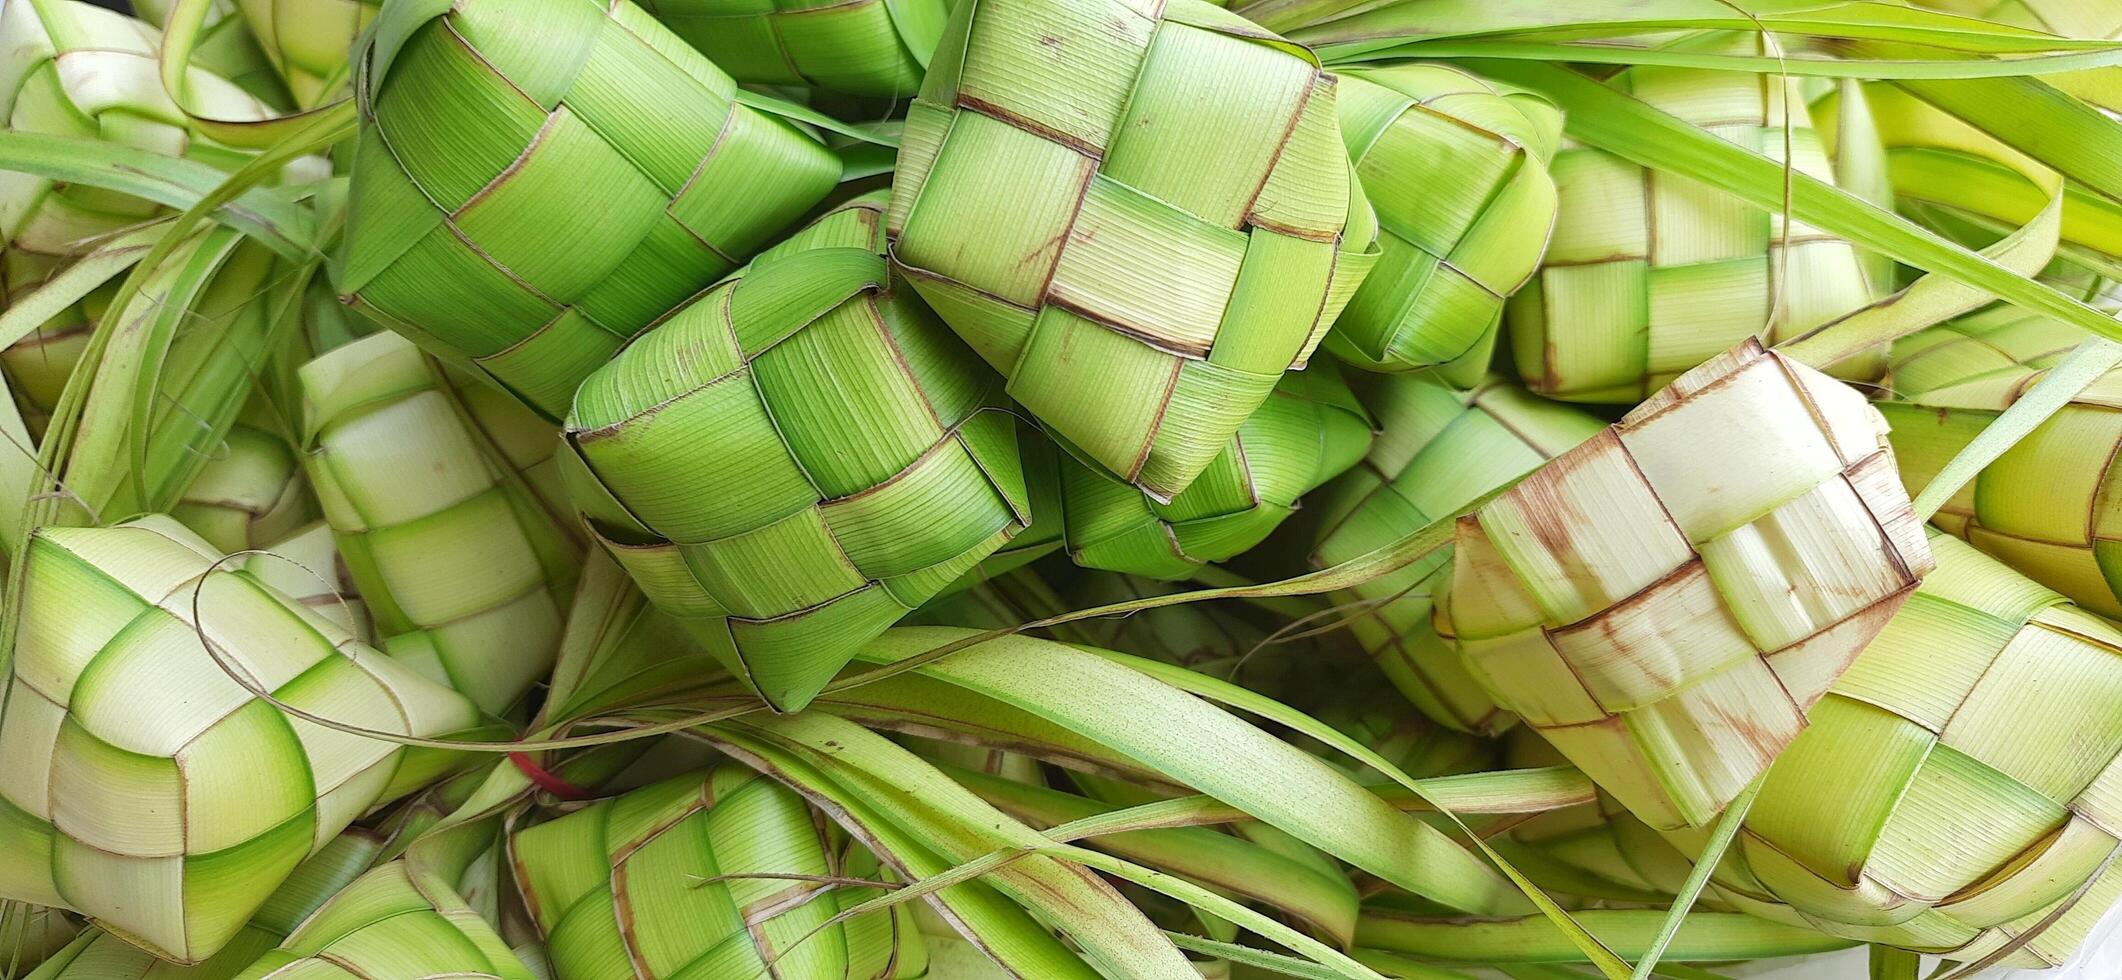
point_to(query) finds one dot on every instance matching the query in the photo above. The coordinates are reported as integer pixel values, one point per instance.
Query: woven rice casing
(1960, 780)
(2051, 506)
(632, 880)
(797, 458)
(461, 565)
(1663, 606)
(1457, 169)
(1309, 430)
(144, 788)
(1649, 274)
(482, 124)
(1140, 212)
(395, 921)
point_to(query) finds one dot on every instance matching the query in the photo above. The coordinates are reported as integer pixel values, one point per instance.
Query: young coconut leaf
(1666, 616)
(482, 123)
(81, 71)
(875, 48)
(721, 874)
(1308, 431)
(1439, 449)
(463, 568)
(1457, 169)
(140, 784)
(1950, 793)
(1142, 222)
(2046, 507)
(803, 417)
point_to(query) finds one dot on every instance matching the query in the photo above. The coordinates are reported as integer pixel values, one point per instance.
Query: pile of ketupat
(881, 489)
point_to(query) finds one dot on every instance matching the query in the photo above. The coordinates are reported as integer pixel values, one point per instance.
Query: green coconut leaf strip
(1190, 741)
(1329, 962)
(1404, 968)
(2085, 364)
(1889, 963)
(2033, 117)
(1720, 840)
(1234, 696)
(1704, 937)
(283, 305)
(907, 839)
(805, 114)
(271, 218)
(1368, 20)
(95, 463)
(1229, 864)
(18, 471)
(1197, 744)
(1507, 791)
(1912, 66)
(181, 36)
(1259, 959)
(1632, 130)
(1861, 167)
(1200, 898)
(24, 314)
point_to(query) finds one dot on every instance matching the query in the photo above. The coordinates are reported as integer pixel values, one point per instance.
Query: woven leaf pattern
(1141, 213)
(630, 884)
(797, 458)
(146, 789)
(2049, 506)
(1309, 430)
(1457, 169)
(483, 125)
(1664, 616)
(1650, 274)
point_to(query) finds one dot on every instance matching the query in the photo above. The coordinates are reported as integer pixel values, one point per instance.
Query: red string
(546, 780)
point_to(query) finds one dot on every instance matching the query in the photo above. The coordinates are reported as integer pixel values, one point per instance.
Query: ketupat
(98, 955)
(633, 886)
(1957, 785)
(1664, 612)
(139, 783)
(876, 48)
(484, 121)
(1457, 168)
(1439, 449)
(250, 494)
(1141, 214)
(462, 567)
(1650, 274)
(810, 418)
(1308, 431)
(2048, 506)
(399, 920)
